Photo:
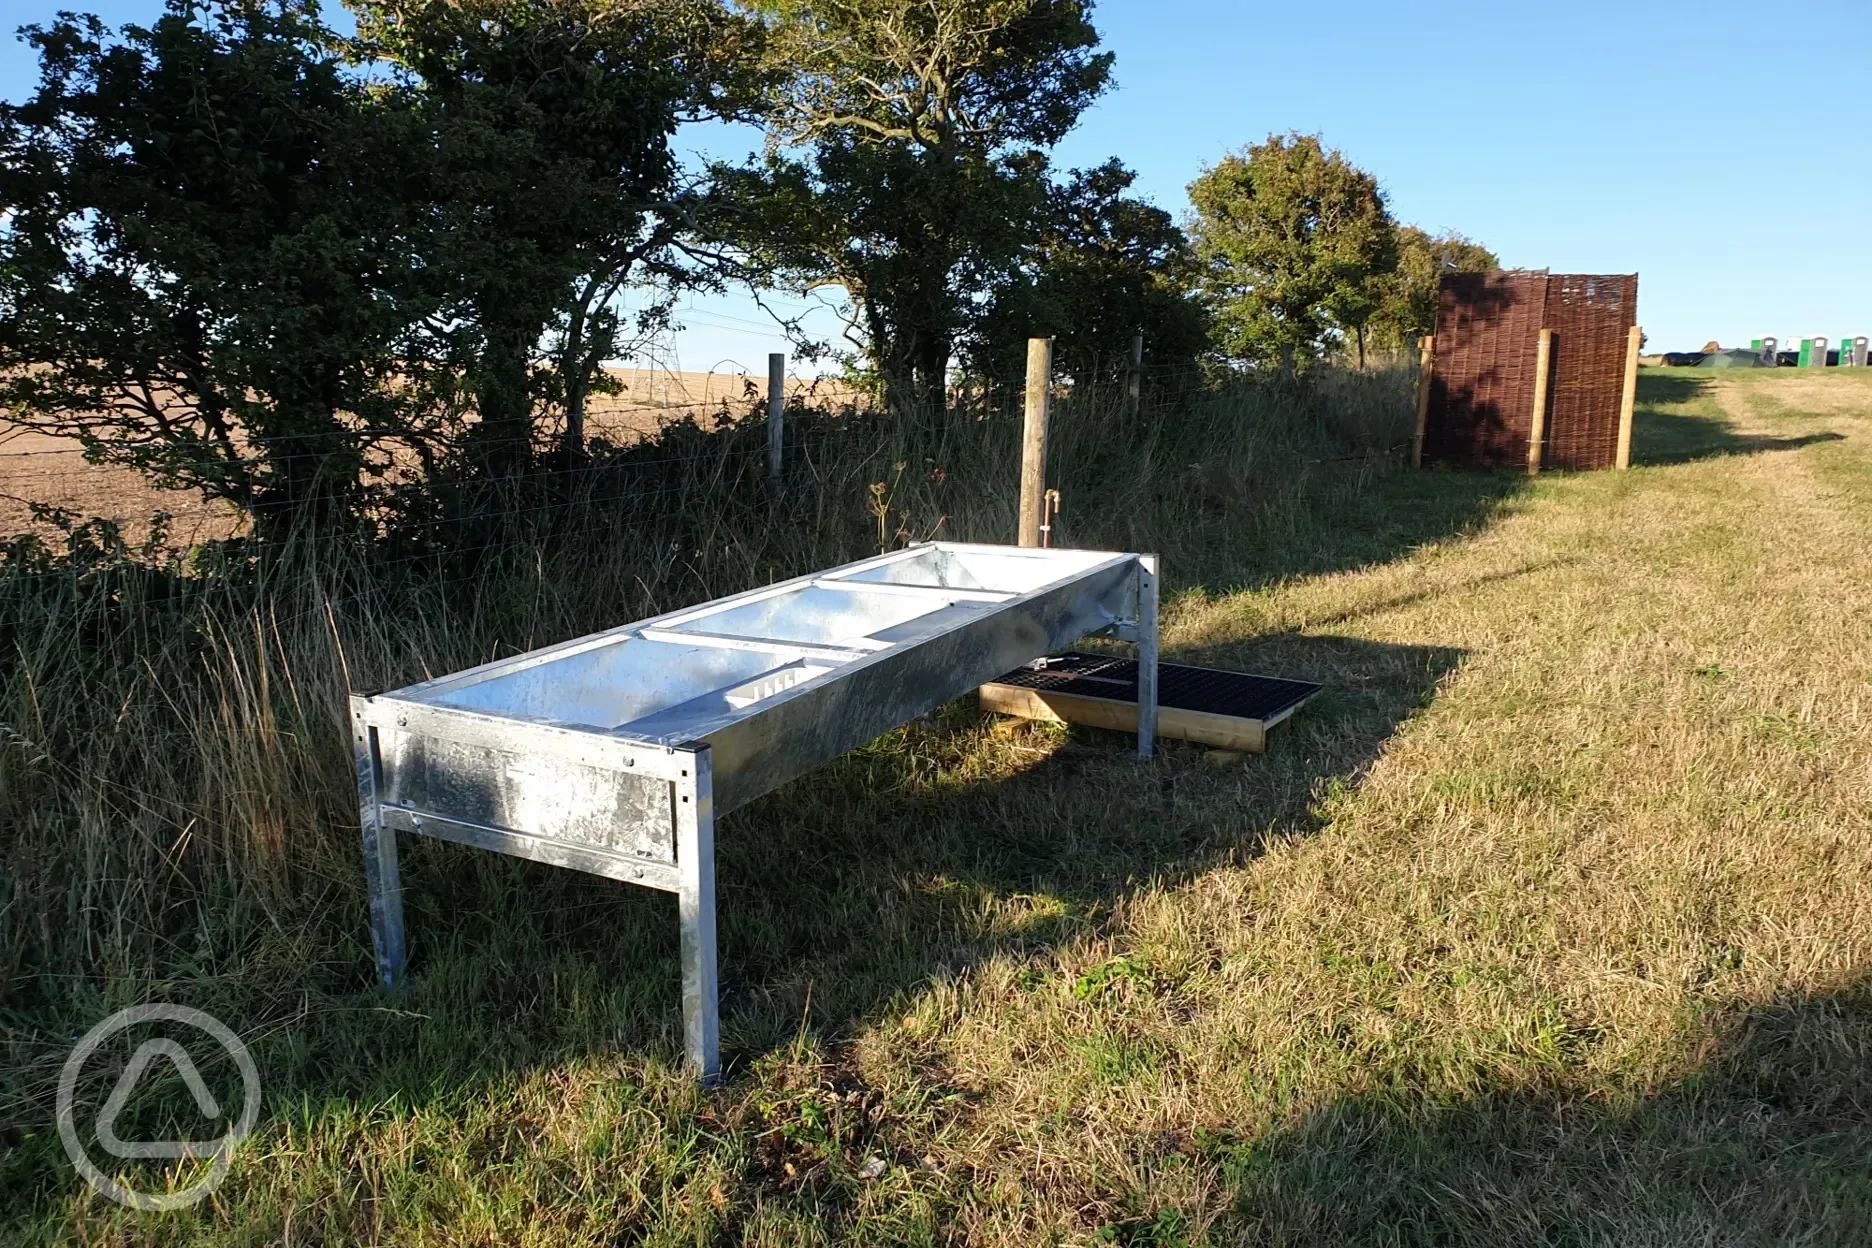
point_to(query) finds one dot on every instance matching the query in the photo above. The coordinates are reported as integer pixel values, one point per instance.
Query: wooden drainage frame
(1099, 691)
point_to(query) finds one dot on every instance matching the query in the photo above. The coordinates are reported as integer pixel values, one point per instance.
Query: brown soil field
(40, 469)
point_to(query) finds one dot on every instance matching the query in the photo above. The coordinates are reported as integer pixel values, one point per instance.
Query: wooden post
(1628, 402)
(1426, 359)
(776, 414)
(1134, 376)
(1033, 439)
(1537, 422)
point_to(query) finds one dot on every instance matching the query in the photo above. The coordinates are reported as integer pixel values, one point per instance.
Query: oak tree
(1407, 296)
(906, 159)
(1289, 235)
(1100, 267)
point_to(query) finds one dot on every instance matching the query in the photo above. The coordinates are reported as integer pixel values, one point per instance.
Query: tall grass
(175, 777)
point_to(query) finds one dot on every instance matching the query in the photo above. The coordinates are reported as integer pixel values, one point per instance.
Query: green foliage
(1290, 235)
(236, 262)
(905, 159)
(1104, 267)
(553, 180)
(1407, 296)
(202, 265)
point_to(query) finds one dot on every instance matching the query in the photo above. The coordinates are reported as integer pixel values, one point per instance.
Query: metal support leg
(380, 861)
(695, 860)
(1147, 655)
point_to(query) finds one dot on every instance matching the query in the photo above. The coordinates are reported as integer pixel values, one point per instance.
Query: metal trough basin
(614, 753)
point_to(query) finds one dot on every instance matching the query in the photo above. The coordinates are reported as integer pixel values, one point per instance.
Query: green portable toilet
(1764, 348)
(1813, 352)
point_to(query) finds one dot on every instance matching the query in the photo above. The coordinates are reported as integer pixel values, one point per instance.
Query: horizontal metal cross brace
(918, 591)
(630, 868)
(732, 641)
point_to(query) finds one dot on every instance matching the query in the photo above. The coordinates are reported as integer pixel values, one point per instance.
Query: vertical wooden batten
(1537, 421)
(1034, 439)
(1628, 402)
(776, 415)
(1426, 360)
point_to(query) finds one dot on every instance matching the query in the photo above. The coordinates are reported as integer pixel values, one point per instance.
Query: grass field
(1550, 923)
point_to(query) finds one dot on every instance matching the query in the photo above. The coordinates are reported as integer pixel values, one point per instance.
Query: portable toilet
(1857, 348)
(1765, 348)
(1813, 353)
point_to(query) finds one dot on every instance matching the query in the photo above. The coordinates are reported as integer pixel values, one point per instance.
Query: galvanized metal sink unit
(615, 753)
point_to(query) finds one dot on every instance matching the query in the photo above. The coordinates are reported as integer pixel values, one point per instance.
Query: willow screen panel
(1481, 401)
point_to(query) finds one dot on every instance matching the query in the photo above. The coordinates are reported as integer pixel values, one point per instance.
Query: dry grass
(1551, 923)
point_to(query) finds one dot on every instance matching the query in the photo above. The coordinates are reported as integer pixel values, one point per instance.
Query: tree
(554, 182)
(1101, 267)
(1407, 296)
(905, 159)
(1289, 235)
(202, 267)
(233, 259)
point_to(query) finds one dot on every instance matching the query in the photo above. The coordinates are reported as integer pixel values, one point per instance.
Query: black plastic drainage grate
(1201, 689)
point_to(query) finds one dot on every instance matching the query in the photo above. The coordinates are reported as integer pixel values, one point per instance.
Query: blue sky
(1722, 151)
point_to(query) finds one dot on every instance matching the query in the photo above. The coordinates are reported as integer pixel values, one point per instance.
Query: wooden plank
(1629, 401)
(1222, 731)
(1537, 422)
(1034, 439)
(1426, 360)
(776, 414)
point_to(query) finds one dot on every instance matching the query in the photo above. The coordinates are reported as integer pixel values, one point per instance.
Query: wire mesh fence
(63, 500)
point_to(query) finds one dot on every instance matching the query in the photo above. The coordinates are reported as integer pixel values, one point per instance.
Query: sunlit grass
(1549, 923)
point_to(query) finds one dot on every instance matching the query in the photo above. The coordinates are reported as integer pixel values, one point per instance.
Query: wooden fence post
(1426, 360)
(1629, 401)
(1034, 438)
(1134, 376)
(776, 414)
(1537, 421)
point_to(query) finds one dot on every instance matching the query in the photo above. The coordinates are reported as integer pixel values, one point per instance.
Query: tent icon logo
(156, 1053)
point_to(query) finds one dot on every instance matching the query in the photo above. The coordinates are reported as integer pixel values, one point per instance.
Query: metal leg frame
(381, 875)
(1147, 656)
(695, 860)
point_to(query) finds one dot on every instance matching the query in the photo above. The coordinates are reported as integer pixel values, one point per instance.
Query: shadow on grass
(899, 865)
(844, 895)
(1661, 436)
(1353, 523)
(1767, 1141)
(841, 897)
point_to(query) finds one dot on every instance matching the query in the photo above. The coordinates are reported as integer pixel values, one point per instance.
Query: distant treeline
(261, 259)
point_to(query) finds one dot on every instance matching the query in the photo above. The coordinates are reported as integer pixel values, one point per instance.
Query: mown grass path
(1550, 924)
